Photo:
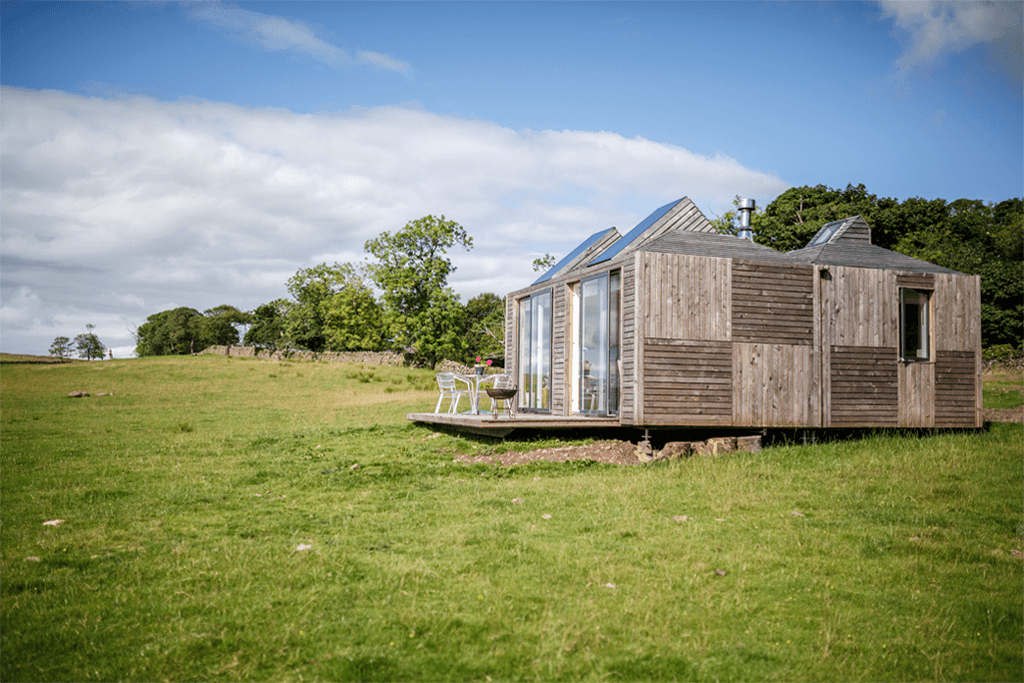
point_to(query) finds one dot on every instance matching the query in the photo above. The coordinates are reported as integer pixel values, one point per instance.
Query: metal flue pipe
(746, 207)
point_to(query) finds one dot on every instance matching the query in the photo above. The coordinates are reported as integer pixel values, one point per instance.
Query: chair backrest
(446, 381)
(503, 382)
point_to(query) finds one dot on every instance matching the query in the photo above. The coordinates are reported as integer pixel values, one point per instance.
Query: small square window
(915, 344)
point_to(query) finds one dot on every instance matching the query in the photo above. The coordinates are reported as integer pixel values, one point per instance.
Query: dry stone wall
(365, 357)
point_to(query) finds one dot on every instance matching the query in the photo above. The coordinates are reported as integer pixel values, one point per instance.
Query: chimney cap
(747, 204)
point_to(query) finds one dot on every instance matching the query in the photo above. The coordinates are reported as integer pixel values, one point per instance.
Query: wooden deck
(486, 424)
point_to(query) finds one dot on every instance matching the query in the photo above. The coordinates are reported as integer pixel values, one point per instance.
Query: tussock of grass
(187, 496)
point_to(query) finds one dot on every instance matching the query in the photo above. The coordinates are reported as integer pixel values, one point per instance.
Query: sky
(159, 154)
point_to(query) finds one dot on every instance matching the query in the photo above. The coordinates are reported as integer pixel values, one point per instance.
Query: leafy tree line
(965, 235)
(87, 344)
(333, 307)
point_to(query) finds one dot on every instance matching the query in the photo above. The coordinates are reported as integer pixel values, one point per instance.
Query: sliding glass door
(600, 304)
(535, 352)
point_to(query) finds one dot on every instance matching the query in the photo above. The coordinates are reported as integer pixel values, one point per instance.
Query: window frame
(524, 361)
(923, 325)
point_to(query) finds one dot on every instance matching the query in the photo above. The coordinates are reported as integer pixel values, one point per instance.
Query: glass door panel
(535, 352)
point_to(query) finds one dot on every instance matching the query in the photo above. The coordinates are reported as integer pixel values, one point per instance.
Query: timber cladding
(775, 385)
(688, 380)
(956, 389)
(865, 386)
(685, 297)
(772, 303)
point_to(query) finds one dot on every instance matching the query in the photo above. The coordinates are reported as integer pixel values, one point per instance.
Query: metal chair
(503, 390)
(449, 390)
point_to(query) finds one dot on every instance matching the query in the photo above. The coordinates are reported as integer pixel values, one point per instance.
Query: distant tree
(61, 348)
(485, 326)
(269, 324)
(545, 262)
(424, 316)
(334, 310)
(220, 325)
(89, 345)
(352, 318)
(168, 333)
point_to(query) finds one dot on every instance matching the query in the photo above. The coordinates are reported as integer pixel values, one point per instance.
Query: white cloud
(939, 27)
(114, 209)
(277, 34)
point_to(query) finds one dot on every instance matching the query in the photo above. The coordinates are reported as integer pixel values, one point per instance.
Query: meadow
(222, 519)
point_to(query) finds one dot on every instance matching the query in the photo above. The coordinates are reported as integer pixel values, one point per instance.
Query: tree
(89, 345)
(485, 326)
(168, 333)
(334, 310)
(545, 262)
(352, 318)
(61, 348)
(220, 325)
(423, 314)
(269, 322)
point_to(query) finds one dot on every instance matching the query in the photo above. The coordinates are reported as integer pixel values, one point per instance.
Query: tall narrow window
(914, 341)
(599, 344)
(535, 352)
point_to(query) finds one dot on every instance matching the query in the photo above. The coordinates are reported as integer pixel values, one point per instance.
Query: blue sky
(157, 155)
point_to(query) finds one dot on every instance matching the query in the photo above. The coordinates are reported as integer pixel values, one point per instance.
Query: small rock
(796, 514)
(674, 450)
(78, 394)
(610, 585)
(354, 467)
(517, 501)
(303, 546)
(1016, 553)
(748, 444)
(53, 522)
(546, 516)
(720, 572)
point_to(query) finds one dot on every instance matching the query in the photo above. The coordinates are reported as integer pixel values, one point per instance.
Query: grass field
(215, 527)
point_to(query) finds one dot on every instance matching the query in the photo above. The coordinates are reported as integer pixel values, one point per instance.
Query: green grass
(186, 495)
(1003, 389)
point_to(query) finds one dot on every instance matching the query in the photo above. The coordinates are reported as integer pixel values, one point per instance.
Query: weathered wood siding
(772, 303)
(917, 394)
(865, 391)
(627, 397)
(864, 307)
(686, 297)
(560, 328)
(957, 397)
(957, 307)
(774, 385)
(511, 336)
(687, 382)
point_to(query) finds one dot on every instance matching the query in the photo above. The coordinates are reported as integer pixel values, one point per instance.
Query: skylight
(631, 236)
(589, 242)
(825, 234)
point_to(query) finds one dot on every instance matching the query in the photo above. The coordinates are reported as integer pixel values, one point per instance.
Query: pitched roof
(592, 245)
(847, 242)
(680, 215)
(713, 244)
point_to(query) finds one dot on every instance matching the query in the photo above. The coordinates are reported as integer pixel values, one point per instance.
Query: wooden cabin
(676, 325)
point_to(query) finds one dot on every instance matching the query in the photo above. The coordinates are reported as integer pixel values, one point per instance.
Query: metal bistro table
(474, 381)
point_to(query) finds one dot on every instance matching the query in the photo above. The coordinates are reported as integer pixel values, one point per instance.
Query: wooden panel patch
(687, 382)
(865, 389)
(774, 386)
(956, 396)
(772, 303)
